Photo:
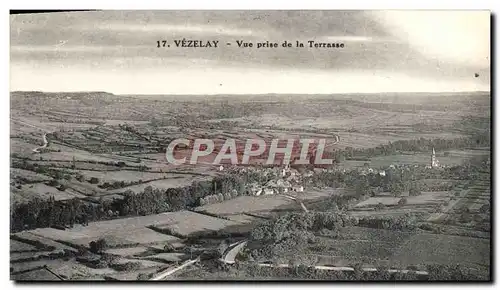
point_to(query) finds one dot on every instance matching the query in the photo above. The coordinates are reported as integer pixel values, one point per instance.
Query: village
(284, 179)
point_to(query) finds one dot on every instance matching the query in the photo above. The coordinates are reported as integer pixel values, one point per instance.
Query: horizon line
(251, 94)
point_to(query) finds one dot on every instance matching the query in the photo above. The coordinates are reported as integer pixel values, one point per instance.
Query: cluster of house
(276, 187)
(283, 180)
(287, 180)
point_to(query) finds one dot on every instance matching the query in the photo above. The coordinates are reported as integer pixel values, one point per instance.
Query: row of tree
(220, 197)
(418, 145)
(407, 222)
(65, 213)
(436, 272)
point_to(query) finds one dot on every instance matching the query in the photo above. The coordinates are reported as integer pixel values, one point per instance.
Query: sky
(384, 51)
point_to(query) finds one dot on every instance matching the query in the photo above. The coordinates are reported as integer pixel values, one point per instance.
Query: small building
(268, 191)
(298, 188)
(282, 183)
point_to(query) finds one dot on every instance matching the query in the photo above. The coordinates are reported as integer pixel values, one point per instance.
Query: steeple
(434, 161)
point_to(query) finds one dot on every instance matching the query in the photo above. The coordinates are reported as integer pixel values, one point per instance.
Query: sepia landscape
(99, 201)
(92, 196)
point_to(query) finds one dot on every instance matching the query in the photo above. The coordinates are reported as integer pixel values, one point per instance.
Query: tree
(168, 247)
(222, 247)
(372, 192)
(358, 271)
(485, 208)
(339, 157)
(379, 206)
(362, 186)
(94, 180)
(53, 182)
(58, 175)
(79, 177)
(463, 209)
(98, 246)
(128, 266)
(465, 218)
(414, 190)
(402, 201)
(105, 185)
(396, 190)
(144, 276)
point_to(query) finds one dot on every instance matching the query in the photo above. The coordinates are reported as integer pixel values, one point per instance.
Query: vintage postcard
(250, 145)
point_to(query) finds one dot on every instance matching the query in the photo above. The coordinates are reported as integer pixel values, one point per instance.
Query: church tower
(434, 161)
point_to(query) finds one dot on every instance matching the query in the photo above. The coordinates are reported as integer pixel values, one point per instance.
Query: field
(34, 190)
(376, 247)
(132, 229)
(263, 204)
(245, 204)
(444, 249)
(135, 240)
(472, 209)
(17, 246)
(426, 198)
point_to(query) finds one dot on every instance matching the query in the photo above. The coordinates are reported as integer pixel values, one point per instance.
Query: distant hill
(401, 98)
(62, 94)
